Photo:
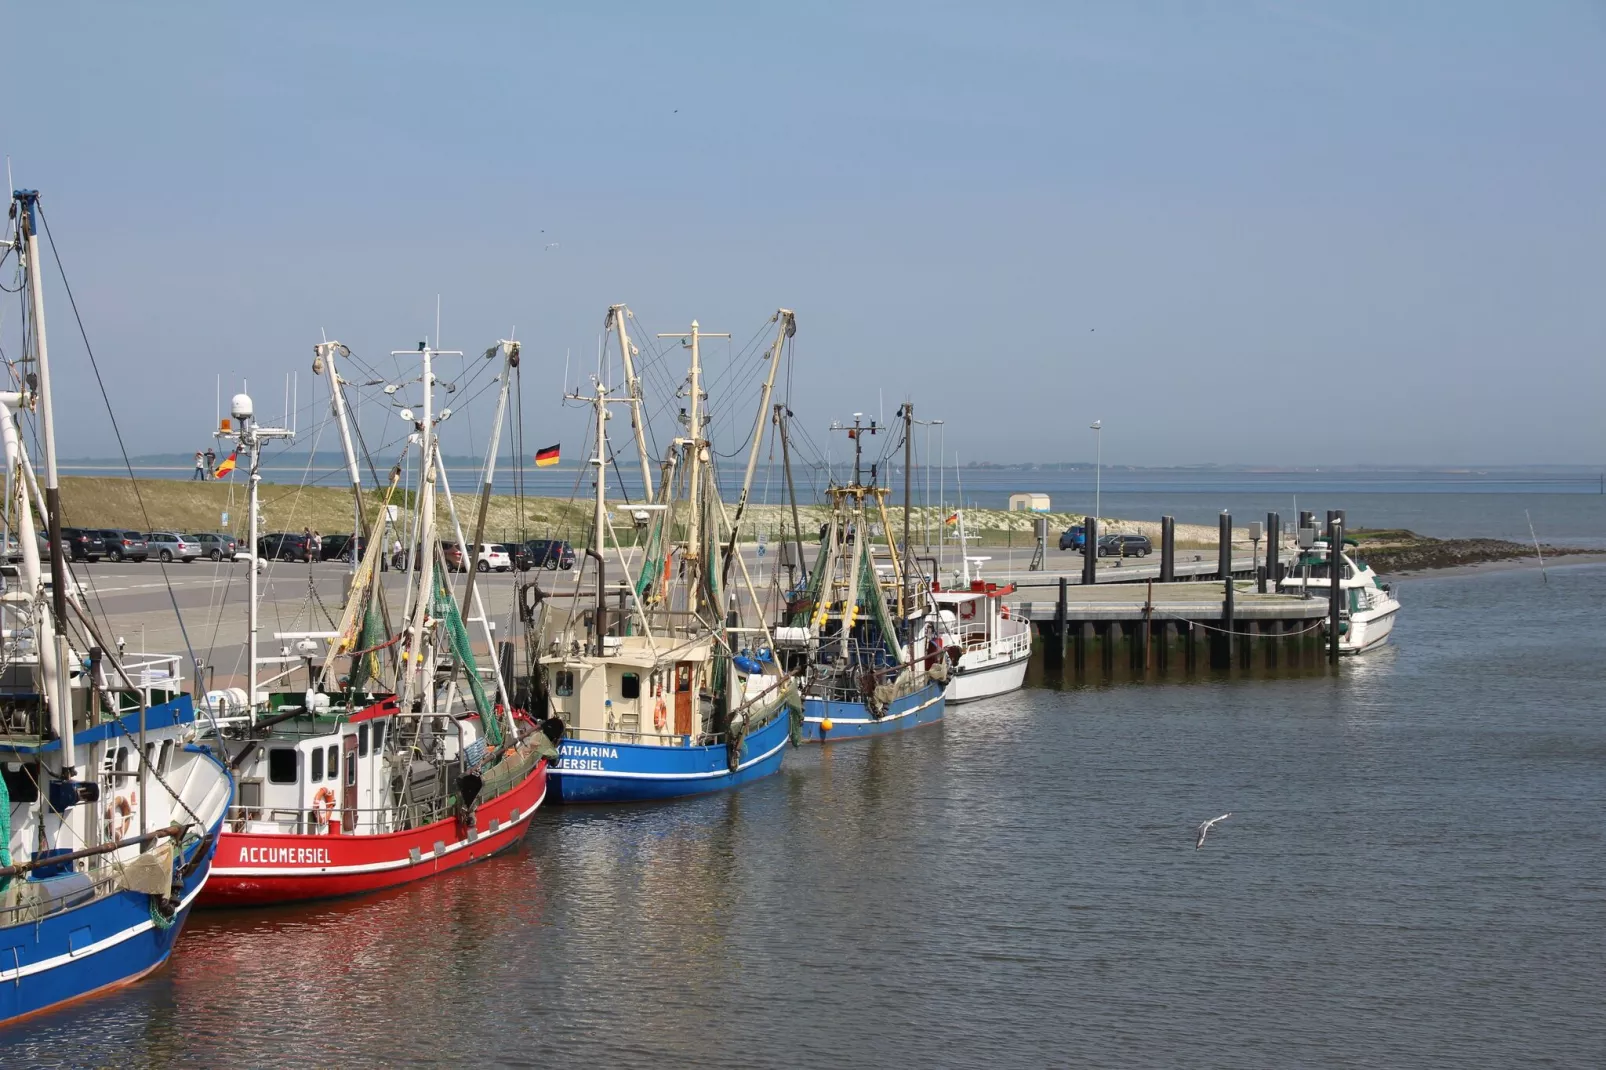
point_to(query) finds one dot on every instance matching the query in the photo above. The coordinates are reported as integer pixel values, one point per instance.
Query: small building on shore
(1028, 502)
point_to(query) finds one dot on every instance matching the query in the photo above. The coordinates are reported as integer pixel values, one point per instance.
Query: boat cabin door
(348, 791)
(683, 698)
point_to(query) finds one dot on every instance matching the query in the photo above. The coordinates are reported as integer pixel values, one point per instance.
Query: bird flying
(1204, 830)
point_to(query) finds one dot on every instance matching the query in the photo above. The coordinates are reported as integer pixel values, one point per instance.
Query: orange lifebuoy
(320, 810)
(119, 815)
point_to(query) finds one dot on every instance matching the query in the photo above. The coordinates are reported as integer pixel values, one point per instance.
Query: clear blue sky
(1185, 219)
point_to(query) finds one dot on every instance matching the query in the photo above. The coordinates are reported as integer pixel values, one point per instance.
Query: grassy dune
(157, 504)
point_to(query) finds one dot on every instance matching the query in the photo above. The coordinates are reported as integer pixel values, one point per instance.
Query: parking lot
(135, 601)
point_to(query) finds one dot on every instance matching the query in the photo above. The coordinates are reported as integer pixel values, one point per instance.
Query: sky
(1275, 233)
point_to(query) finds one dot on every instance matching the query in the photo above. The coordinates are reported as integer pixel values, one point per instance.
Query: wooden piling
(1224, 567)
(1090, 550)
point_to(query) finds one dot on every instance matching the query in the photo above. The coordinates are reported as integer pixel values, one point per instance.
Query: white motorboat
(1369, 606)
(974, 617)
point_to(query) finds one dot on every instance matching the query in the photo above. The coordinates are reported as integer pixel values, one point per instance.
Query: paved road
(133, 601)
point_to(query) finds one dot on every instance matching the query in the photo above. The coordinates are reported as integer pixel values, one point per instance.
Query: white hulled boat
(975, 619)
(1369, 606)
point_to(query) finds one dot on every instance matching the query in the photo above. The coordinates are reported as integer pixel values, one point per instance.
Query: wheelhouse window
(379, 735)
(334, 762)
(317, 766)
(22, 781)
(629, 685)
(351, 770)
(565, 682)
(281, 765)
(362, 741)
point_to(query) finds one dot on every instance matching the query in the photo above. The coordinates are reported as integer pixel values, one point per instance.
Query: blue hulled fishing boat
(861, 626)
(108, 813)
(667, 699)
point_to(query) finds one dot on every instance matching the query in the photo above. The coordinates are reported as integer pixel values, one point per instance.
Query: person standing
(211, 460)
(200, 467)
(317, 546)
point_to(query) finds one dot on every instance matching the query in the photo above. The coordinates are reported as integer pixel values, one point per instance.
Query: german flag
(227, 466)
(953, 518)
(546, 458)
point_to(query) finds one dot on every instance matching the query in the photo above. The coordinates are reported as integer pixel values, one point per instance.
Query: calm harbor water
(1412, 877)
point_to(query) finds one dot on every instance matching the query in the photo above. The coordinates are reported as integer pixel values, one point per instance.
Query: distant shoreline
(1509, 564)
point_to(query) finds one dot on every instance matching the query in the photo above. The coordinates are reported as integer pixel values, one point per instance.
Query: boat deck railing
(619, 735)
(373, 820)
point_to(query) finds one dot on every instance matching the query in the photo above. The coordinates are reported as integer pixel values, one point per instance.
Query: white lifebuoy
(119, 816)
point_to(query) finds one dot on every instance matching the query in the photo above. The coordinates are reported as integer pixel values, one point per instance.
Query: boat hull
(634, 772)
(1369, 632)
(971, 684)
(264, 869)
(96, 948)
(852, 720)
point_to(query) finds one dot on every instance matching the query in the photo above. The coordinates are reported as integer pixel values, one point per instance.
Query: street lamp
(1097, 426)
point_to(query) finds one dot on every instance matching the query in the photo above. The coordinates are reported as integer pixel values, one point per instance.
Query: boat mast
(324, 356)
(54, 660)
(787, 328)
(510, 360)
(627, 356)
(417, 648)
(908, 414)
(697, 449)
(781, 414)
(250, 439)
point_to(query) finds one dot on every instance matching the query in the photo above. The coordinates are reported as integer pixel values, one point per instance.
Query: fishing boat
(109, 812)
(409, 764)
(1368, 606)
(862, 626)
(667, 699)
(973, 618)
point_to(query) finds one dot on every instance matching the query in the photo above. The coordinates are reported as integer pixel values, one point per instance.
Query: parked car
(338, 548)
(84, 544)
(124, 545)
(1073, 538)
(168, 546)
(1125, 546)
(547, 553)
(13, 548)
(217, 546)
(283, 546)
(493, 555)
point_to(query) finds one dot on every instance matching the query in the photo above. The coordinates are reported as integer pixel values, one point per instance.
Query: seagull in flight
(1204, 830)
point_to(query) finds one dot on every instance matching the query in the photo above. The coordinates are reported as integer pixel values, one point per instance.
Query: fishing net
(445, 610)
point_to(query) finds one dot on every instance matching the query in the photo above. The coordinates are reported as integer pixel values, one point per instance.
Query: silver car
(216, 546)
(168, 546)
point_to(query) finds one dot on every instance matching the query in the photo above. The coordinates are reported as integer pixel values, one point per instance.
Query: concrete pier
(1159, 629)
